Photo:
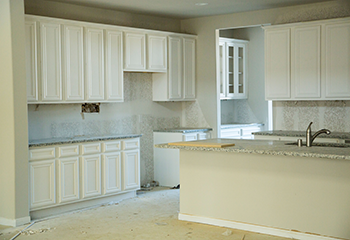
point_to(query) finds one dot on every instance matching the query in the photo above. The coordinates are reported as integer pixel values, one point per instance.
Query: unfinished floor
(151, 215)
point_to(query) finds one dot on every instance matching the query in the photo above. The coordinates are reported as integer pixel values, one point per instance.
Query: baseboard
(14, 222)
(254, 228)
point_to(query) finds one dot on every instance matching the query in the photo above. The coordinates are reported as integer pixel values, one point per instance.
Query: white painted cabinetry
(178, 84)
(50, 59)
(135, 51)
(72, 173)
(233, 68)
(31, 61)
(308, 61)
(240, 132)
(166, 161)
(156, 53)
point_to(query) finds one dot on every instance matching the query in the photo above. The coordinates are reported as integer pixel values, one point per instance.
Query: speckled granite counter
(184, 130)
(78, 139)
(241, 125)
(339, 135)
(276, 148)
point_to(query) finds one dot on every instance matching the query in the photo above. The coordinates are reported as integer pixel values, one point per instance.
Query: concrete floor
(151, 215)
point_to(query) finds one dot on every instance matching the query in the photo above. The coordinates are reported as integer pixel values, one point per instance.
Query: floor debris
(161, 224)
(227, 233)
(243, 237)
(32, 232)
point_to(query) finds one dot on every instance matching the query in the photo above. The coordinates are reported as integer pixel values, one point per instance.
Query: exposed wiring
(19, 233)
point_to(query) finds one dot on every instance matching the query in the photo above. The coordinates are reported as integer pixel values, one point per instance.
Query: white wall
(13, 120)
(205, 28)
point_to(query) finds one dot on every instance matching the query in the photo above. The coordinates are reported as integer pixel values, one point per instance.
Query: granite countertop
(277, 148)
(339, 135)
(78, 139)
(239, 125)
(183, 130)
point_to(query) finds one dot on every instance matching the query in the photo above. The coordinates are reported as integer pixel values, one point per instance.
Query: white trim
(14, 222)
(254, 228)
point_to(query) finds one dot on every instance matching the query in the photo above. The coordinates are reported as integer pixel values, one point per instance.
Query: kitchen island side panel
(309, 195)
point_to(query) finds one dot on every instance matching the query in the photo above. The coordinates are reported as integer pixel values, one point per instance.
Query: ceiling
(187, 8)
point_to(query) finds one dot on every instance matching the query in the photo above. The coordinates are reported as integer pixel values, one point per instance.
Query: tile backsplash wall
(237, 111)
(138, 114)
(296, 115)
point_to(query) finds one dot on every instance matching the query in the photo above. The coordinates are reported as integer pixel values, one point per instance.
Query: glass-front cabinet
(233, 68)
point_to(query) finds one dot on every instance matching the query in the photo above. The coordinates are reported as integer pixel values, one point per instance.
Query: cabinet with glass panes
(233, 68)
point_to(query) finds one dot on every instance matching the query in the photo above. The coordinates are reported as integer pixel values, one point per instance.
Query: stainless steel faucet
(310, 138)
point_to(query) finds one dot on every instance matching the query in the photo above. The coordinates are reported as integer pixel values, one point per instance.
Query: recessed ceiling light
(201, 4)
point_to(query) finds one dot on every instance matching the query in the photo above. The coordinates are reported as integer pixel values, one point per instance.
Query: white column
(14, 209)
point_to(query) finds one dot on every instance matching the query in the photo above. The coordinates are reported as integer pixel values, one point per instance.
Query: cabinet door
(42, 183)
(50, 46)
(222, 69)
(135, 51)
(175, 68)
(337, 57)
(240, 70)
(68, 179)
(31, 61)
(131, 169)
(230, 69)
(306, 62)
(114, 66)
(277, 64)
(94, 64)
(91, 176)
(157, 53)
(189, 68)
(111, 173)
(73, 73)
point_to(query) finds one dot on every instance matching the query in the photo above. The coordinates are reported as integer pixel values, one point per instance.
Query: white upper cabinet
(233, 68)
(50, 47)
(179, 83)
(308, 61)
(114, 66)
(135, 51)
(94, 64)
(156, 53)
(337, 56)
(73, 71)
(189, 66)
(277, 63)
(31, 61)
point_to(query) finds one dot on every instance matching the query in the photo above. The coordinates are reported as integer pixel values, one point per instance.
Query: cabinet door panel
(91, 174)
(112, 173)
(42, 183)
(157, 53)
(73, 73)
(131, 170)
(51, 79)
(31, 61)
(338, 60)
(94, 64)
(68, 179)
(277, 64)
(306, 69)
(114, 66)
(135, 47)
(189, 68)
(175, 68)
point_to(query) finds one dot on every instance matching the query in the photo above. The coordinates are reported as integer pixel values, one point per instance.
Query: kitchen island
(267, 187)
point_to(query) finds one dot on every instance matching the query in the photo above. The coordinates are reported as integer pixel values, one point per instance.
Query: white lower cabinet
(68, 179)
(72, 173)
(42, 183)
(91, 172)
(111, 173)
(239, 132)
(131, 169)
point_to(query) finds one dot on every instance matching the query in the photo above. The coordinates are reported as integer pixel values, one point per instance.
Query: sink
(333, 145)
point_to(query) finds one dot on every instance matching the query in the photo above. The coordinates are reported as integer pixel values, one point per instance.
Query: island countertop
(265, 147)
(78, 139)
(285, 133)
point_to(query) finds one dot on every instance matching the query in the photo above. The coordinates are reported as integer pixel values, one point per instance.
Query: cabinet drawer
(248, 131)
(42, 153)
(234, 132)
(111, 146)
(131, 144)
(204, 135)
(189, 137)
(90, 148)
(68, 151)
